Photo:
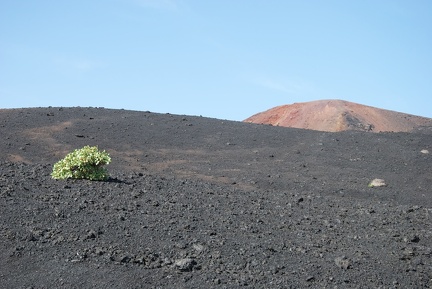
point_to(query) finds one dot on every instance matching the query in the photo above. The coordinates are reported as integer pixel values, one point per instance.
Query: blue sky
(226, 59)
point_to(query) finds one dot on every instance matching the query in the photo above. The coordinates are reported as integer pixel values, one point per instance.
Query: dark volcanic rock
(277, 208)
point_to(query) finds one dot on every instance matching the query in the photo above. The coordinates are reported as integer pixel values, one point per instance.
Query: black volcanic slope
(194, 202)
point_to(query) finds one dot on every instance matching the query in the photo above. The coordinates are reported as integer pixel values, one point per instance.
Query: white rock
(424, 151)
(377, 183)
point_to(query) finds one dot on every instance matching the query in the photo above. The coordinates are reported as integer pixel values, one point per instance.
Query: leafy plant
(85, 163)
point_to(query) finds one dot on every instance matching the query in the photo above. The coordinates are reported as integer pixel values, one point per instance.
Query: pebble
(377, 183)
(343, 262)
(185, 264)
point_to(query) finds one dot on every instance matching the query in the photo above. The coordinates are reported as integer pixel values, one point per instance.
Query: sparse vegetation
(85, 163)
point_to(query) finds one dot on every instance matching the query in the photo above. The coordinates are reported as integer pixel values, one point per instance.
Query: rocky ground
(194, 202)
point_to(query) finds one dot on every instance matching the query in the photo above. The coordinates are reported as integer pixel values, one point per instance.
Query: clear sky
(226, 59)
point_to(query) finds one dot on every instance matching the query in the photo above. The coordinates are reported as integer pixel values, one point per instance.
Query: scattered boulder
(424, 152)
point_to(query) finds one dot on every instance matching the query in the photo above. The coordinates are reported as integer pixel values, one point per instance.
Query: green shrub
(85, 163)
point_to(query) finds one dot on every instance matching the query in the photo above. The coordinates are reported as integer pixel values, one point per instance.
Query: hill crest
(339, 115)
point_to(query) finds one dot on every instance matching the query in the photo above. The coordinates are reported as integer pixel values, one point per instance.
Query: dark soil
(194, 202)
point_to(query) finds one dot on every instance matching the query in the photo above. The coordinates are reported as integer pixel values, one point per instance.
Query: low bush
(85, 163)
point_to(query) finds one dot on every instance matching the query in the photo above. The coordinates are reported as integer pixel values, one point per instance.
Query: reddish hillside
(339, 115)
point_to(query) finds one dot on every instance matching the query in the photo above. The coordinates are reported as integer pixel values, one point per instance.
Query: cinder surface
(204, 203)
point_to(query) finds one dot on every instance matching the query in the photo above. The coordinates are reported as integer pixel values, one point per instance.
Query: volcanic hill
(339, 115)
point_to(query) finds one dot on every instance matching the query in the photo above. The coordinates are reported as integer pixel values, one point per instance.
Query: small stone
(424, 152)
(407, 253)
(99, 251)
(377, 183)
(181, 245)
(415, 239)
(343, 262)
(125, 259)
(412, 239)
(185, 264)
(91, 234)
(198, 248)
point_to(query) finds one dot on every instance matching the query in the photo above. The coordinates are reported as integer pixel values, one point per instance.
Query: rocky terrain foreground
(194, 202)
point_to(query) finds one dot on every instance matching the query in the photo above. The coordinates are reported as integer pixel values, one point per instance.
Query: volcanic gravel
(194, 202)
